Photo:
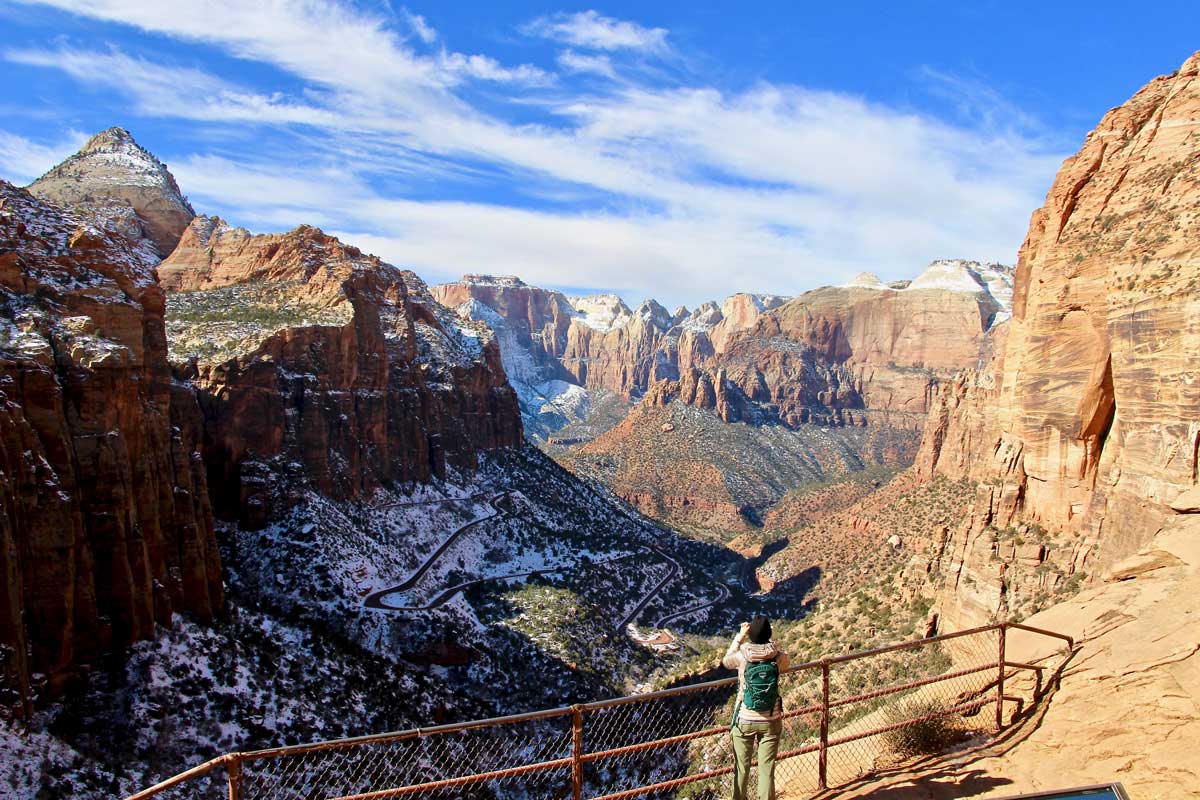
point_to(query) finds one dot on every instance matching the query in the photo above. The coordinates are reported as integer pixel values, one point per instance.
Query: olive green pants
(745, 734)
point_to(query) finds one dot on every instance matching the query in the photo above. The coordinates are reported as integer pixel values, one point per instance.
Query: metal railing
(844, 718)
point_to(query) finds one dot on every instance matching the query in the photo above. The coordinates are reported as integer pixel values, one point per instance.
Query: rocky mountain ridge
(133, 417)
(322, 367)
(832, 355)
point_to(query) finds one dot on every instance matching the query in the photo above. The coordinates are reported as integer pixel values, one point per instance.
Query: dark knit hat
(760, 630)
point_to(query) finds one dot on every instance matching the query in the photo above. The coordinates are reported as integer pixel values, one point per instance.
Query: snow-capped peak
(113, 157)
(603, 312)
(114, 138)
(953, 275)
(950, 275)
(866, 280)
(652, 313)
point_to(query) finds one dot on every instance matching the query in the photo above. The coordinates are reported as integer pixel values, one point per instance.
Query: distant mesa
(492, 280)
(951, 275)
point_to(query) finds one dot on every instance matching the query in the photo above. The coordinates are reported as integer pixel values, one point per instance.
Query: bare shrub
(935, 732)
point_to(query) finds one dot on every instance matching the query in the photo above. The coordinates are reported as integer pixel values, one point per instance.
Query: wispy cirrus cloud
(598, 64)
(682, 190)
(594, 31)
(489, 69)
(422, 29)
(182, 92)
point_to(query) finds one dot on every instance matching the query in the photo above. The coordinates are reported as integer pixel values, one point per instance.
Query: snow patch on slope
(866, 280)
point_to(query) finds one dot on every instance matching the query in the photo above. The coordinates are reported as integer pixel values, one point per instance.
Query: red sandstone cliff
(839, 353)
(1086, 422)
(105, 526)
(321, 368)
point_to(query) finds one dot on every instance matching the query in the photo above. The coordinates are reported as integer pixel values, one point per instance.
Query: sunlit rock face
(1084, 421)
(837, 354)
(830, 356)
(122, 187)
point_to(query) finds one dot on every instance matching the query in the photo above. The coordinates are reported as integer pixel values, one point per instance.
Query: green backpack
(761, 690)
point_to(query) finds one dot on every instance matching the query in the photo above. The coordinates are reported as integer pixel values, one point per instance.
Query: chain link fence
(844, 718)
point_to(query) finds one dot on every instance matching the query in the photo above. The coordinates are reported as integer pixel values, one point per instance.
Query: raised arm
(732, 656)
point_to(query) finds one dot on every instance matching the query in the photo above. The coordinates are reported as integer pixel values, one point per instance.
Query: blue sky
(678, 150)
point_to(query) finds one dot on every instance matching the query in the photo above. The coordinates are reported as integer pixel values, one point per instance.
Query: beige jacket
(739, 654)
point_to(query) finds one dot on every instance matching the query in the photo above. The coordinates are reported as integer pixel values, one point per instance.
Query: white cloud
(685, 192)
(489, 69)
(591, 30)
(598, 64)
(172, 91)
(423, 30)
(23, 161)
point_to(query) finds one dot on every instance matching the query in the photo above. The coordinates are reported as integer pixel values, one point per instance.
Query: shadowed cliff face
(291, 363)
(321, 368)
(106, 527)
(1085, 422)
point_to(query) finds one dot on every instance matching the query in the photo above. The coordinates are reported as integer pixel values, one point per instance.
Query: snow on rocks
(113, 157)
(866, 280)
(952, 275)
(121, 187)
(704, 318)
(502, 281)
(602, 312)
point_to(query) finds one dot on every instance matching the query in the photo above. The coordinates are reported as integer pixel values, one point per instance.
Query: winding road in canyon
(378, 600)
(375, 599)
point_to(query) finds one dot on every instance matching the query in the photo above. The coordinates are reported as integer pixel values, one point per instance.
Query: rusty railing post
(823, 759)
(576, 752)
(1000, 680)
(233, 768)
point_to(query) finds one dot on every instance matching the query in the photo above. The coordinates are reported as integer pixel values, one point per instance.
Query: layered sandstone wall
(539, 319)
(106, 527)
(1085, 424)
(831, 356)
(833, 351)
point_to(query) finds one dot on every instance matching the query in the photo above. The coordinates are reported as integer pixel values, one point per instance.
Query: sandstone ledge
(1127, 709)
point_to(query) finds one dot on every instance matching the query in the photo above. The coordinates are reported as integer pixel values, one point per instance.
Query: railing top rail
(398, 736)
(1030, 629)
(713, 684)
(912, 644)
(195, 772)
(597, 705)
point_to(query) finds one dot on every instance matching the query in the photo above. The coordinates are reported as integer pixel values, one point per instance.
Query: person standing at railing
(757, 721)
